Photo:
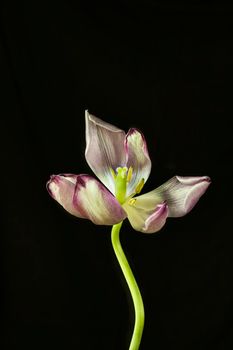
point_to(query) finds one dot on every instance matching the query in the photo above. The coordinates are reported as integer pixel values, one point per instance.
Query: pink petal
(62, 189)
(184, 192)
(146, 221)
(157, 220)
(137, 157)
(104, 149)
(86, 198)
(180, 193)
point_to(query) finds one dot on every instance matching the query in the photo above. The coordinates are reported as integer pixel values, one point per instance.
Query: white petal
(104, 149)
(96, 203)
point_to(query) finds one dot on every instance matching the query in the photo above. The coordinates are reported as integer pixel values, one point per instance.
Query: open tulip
(122, 164)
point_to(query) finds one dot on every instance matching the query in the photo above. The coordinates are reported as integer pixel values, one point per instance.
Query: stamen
(132, 201)
(113, 173)
(130, 173)
(139, 186)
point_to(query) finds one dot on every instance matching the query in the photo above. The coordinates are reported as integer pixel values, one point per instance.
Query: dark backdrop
(165, 68)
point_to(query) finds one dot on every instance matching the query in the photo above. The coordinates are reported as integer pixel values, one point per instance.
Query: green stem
(133, 287)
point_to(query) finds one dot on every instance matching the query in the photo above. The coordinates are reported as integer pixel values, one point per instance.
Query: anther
(113, 173)
(130, 173)
(132, 201)
(139, 186)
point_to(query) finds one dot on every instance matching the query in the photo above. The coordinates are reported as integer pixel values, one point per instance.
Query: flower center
(122, 177)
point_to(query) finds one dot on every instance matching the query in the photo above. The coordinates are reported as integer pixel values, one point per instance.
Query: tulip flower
(122, 165)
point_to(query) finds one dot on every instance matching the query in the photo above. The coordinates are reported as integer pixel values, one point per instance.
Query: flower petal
(96, 203)
(157, 220)
(146, 221)
(62, 188)
(137, 158)
(104, 149)
(86, 198)
(180, 193)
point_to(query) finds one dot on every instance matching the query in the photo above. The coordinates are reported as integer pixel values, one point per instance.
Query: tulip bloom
(122, 164)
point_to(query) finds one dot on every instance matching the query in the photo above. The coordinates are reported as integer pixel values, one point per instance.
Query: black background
(165, 68)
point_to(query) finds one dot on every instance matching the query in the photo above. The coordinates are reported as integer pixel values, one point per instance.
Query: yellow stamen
(130, 173)
(139, 186)
(132, 201)
(113, 173)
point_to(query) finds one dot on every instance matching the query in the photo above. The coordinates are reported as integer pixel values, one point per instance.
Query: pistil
(121, 184)
(122, 176)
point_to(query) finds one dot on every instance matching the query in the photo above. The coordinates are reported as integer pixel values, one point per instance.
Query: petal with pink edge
(181, 193)
(62, 188)
(137, 158)
(157, 220)
(104, 149)
(96, 203)
(85, 197)
(146, 221)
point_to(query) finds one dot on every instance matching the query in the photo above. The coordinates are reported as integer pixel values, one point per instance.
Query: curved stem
(133, 287)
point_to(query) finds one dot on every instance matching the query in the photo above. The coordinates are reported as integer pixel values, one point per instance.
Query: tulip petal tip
(157, 220)
(51, 185)
(191, 189)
